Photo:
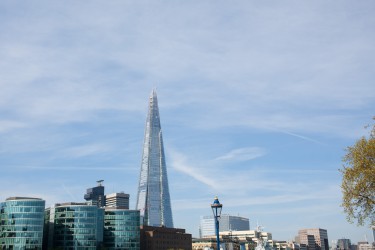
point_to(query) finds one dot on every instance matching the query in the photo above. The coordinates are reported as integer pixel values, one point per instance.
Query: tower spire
(153, 198)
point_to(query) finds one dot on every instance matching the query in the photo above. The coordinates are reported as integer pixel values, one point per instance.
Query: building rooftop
(22, 198)
(72, 204)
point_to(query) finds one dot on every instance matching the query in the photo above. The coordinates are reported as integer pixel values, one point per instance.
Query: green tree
(358, 180)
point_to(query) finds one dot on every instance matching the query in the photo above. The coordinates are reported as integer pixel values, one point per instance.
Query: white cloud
(7, 125)
(242, 154)
(178, 162)
(85, 150)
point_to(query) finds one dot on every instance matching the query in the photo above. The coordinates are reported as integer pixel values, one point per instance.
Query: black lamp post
(216, 210)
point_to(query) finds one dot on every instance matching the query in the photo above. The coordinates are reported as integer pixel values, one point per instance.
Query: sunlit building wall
(314, 238)
(121, 229)
(75, 226)
(117, 200)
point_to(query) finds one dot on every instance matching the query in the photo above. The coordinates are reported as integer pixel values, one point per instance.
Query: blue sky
(258, 100)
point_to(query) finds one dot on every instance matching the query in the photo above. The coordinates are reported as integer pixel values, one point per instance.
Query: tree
(358, 180)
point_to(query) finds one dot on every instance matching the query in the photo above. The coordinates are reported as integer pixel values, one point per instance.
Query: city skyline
(258, 101)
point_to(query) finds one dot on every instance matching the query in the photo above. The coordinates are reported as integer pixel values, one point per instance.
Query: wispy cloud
(85, 150)
(179, 162)
(301, 137)
(242, 154)
(6, 125)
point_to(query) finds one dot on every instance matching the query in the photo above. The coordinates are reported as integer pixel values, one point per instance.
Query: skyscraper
(153, 199)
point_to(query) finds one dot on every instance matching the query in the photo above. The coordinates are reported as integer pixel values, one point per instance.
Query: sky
(258, 101)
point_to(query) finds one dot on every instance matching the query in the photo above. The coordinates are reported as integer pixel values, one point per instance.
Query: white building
(117, 200)
(226, 223)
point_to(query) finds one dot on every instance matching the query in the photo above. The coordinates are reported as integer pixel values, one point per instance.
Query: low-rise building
(162, 238)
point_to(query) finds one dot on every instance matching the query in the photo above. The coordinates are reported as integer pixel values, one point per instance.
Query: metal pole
(217, 233)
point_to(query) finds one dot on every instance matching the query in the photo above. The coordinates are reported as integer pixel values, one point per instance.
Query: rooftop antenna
(99, 182)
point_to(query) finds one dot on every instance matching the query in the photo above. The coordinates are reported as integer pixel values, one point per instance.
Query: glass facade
(121, 229)
(153, 199)
(75, 226)
(21, 223)
(95, 196)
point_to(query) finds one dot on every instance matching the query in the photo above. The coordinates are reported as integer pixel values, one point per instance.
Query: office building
(247, 239)
(153, 199)
(121, 229)
(343, 244)
(314, 238)
(21, 223)
(74, 225)
(226, 223)
(211, 244)
(365, 245)
(162, 238)
(95, 195)
(117, 200)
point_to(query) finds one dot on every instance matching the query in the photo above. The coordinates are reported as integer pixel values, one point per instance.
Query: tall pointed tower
(153, 192)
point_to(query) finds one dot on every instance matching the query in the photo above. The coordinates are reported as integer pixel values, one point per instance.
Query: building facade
(226, 223)
(343, 244)
(21, 223)
(314, 238)
(121, 229)
(74, 226)
(117, 200)
(153, 199)
(95, 195)
(162, 238)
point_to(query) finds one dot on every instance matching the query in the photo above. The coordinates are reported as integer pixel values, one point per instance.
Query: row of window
(18, 241)
(76, 221)
(127, 229)
(76, 209)
(121, 223)
(122, 233)
(66, 243)
(62, 231)
(22, 234)
(19, 209)
(23, 203)
(85, 237)
(21, 228)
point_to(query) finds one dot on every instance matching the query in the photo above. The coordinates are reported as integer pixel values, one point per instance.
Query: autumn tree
(358, 180)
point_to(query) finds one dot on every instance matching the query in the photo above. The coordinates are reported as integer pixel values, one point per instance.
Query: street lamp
(216, 210)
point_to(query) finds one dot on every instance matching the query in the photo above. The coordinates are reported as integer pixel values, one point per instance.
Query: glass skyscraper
(153, 199)
(21, 223)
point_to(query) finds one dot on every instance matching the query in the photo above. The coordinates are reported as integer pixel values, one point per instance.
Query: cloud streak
(242, 154)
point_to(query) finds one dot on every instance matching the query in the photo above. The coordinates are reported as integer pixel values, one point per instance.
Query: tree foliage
(358, 182)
